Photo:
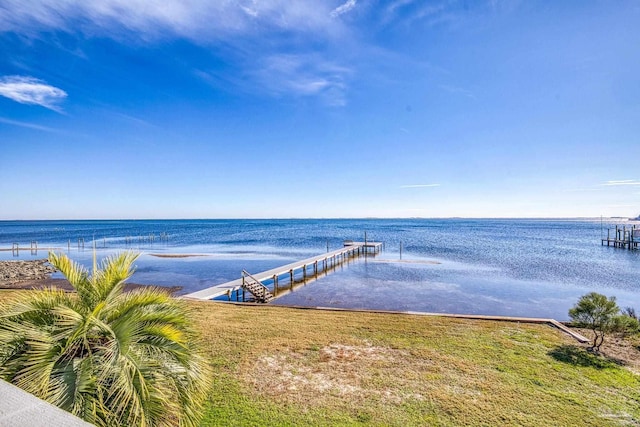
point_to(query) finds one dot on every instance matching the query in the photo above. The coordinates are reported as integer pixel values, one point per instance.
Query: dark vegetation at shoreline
(36, 274)
(17, 271)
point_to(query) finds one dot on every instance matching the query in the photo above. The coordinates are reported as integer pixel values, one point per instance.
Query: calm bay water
(506, 267)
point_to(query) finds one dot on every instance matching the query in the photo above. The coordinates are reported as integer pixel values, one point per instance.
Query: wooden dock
(623, 237)
(308, 268)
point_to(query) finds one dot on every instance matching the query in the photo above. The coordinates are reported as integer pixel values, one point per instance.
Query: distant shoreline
(540, 218)
(36, 274)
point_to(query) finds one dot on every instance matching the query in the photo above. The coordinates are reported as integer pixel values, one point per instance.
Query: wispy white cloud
(131, 119)
(343, 8)
(435, 12)
(398, 4)
(419, 185)
(28, 125)
(410, 11)
(449, 13)
(458, 91)
(201, 20)
(239, 26)
(305, 75)
(621, 182)
(32, 91)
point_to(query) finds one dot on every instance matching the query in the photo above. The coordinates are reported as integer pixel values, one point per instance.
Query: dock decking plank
(223, 288)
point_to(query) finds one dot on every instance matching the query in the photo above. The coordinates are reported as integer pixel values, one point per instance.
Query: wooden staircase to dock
(259, 291)
(322, 263)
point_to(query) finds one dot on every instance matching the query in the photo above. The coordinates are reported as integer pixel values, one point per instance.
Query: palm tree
(107, 356)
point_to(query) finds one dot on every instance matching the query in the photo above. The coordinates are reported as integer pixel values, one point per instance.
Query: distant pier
(128, 241)
(254, 284)
(623, 237)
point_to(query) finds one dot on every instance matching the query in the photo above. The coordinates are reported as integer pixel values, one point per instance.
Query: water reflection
(441, 288)
(514, 267)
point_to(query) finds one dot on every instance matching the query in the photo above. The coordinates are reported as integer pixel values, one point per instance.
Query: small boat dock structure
(267, 285)
(623, 237)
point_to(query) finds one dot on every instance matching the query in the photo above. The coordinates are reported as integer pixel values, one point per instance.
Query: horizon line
(316, 218)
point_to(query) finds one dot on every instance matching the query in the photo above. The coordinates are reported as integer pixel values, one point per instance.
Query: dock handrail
(257, 288)
(327, 260)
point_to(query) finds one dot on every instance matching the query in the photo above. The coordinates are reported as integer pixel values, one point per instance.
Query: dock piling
(623, 237)
(329, 261)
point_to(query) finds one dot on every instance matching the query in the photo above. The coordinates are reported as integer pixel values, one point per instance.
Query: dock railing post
(364, 248)
(251, 283)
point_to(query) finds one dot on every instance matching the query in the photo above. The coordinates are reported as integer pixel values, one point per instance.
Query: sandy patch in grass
(354, 372)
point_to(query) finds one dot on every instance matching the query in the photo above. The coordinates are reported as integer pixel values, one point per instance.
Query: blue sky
(346, 108)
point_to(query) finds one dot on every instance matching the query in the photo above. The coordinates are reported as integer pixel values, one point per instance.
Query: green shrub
(598, 313)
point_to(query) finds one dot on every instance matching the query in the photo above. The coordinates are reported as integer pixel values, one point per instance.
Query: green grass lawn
(280, 366)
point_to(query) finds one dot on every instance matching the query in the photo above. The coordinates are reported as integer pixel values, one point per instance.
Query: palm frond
(110, 357)
(77, 275)
(114, 271)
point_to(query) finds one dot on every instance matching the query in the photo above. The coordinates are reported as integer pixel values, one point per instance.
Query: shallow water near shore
(513, 267)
